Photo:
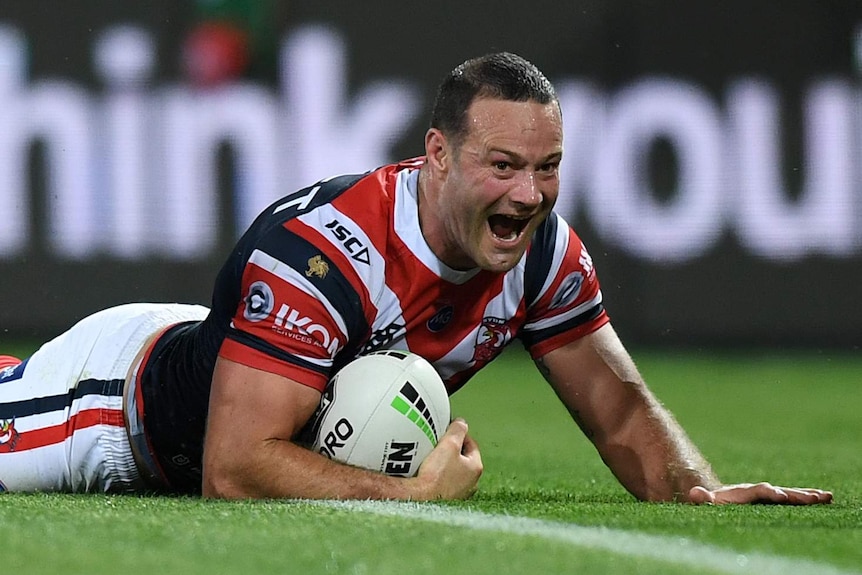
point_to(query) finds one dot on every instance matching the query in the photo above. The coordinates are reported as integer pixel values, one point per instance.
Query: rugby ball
(384, 411)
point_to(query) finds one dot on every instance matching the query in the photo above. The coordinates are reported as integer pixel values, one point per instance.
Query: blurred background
(712, 148)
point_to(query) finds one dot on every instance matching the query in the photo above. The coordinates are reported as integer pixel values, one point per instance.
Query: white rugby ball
(384, 411)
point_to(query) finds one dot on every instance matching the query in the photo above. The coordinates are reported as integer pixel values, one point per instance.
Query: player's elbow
(221, 482)
(221, 486)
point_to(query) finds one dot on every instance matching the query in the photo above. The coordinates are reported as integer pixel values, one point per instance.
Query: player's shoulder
(376, 189)
(553, 236)
(352, 192)
(554, 248)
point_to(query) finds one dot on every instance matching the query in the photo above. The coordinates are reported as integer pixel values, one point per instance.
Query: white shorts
(62, 426)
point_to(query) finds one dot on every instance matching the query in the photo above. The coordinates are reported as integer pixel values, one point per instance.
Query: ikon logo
(289, 320)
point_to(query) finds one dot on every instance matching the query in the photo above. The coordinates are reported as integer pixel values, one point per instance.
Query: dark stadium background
(724, 292)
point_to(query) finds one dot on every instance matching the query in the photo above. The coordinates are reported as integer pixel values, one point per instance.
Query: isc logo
(399, 457)
(355, 247)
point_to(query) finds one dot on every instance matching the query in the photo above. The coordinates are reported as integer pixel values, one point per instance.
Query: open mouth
(507, 228)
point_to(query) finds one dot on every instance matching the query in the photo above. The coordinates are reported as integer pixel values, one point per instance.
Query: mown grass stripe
(668, 549)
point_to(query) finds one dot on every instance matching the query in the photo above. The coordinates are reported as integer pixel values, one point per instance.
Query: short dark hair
(503, 76)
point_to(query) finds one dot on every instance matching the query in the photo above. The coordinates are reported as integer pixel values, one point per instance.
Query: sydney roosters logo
(317, 267)
(493, 336)
(9, 436)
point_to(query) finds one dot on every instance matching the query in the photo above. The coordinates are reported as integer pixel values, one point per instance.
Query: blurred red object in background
(215, 53)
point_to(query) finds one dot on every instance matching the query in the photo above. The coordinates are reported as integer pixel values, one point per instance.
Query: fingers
(457, 432)
(701, 496)
(751, 493)
(806, 496)
(759, 493)
(453, 468)
(467, 446)
(470, 451)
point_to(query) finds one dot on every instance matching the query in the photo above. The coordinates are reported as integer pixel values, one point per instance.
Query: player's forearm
(282, 469)
(653, 457)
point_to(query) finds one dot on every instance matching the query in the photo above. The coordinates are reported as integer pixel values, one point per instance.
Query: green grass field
(546, 503)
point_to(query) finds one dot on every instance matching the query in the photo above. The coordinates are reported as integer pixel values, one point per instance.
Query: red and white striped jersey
(341, 268)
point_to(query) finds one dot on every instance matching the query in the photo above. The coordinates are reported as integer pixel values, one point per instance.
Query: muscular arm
(249, 451)
(635, 435)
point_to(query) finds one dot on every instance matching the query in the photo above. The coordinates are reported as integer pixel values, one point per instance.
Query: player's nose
(525, 190)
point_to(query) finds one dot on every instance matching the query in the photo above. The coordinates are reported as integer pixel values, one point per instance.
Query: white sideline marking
(668, 549)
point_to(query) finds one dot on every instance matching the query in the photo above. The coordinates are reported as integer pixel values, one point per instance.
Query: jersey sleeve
(563, 296)
(299, 307)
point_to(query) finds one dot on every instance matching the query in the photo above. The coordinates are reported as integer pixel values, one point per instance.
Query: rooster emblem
(317, 267)
(493, 335)
(9, 436)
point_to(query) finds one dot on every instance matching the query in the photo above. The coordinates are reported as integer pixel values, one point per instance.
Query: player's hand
(758, 493)
(453, 468)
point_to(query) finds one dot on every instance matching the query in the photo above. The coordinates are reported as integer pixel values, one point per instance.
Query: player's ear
(437, 150)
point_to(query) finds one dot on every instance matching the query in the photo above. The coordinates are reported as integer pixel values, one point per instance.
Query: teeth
(507, 228)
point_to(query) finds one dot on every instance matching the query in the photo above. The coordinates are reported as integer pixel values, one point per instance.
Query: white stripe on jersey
(503, 306)
(561, 245)
(278, 268)
(407, 228)
(373, 278)
(459, 357)
(368, 272)
(558, 319)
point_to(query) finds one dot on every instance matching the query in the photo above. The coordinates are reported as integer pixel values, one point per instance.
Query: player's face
(500, 184)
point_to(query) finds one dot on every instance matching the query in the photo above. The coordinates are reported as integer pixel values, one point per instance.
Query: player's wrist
(416, 488)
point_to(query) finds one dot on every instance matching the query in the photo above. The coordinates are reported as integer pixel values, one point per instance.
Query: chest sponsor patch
(441, 319)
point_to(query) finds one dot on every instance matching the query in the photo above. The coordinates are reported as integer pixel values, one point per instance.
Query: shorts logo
(259, 302)
(493, 335)
(568, 291)
(9, 436)
(317, 267)
(13, 372)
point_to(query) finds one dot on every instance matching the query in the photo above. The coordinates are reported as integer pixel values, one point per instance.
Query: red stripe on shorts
(36, 438)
